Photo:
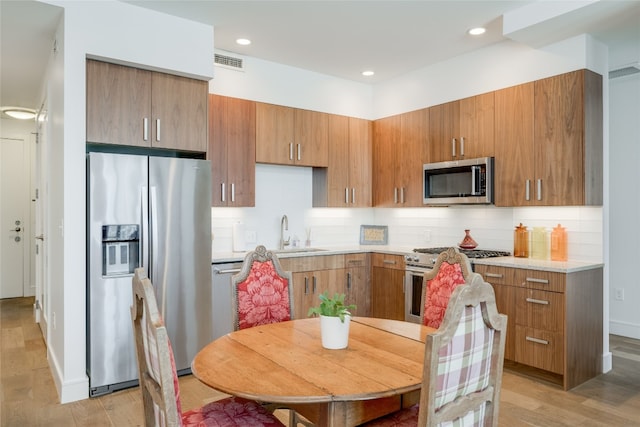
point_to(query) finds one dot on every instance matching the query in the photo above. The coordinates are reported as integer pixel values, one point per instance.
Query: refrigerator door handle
(153, 247)
(144, 240)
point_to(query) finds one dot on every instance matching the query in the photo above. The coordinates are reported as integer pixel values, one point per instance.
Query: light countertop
(510, 261)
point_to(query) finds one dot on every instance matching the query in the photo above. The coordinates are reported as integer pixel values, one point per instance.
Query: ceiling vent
(625, 70)
(230, 62)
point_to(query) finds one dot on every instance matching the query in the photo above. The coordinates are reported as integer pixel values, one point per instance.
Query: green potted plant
(335, 318)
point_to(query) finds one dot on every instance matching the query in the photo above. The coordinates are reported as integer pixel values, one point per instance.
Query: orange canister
(559, 244)
(521, 242)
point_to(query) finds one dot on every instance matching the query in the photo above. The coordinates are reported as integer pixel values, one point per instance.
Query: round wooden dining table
(379, 372)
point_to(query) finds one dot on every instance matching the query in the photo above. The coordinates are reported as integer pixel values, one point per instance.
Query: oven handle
(417, 269)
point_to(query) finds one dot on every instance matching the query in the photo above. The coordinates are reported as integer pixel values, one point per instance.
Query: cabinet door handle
(346, 195)
(526, 190)
(537, 340)
(395, 194)
(388, 261)
(402, 195)
(348, 281)
(533, 280)
(313, 287)
(299, 152)
(537, 301)
(145, 129)
(233, 192)
(306, 285)
(222, 192)
(494, 275)
(539, 182)
(291, 151)
(353, 195)
(158, 130)
(453, 147)
(462, 146)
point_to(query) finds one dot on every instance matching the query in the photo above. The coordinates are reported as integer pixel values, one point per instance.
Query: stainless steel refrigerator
(154, 212)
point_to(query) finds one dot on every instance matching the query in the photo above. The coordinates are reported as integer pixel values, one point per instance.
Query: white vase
(335, 333)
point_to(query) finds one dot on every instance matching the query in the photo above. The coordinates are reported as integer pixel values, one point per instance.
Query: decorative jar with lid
(559, 244)
(521, 242)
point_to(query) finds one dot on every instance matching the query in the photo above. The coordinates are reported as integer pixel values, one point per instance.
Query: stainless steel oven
(417, 264)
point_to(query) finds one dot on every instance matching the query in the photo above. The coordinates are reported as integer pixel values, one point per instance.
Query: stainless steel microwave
(459, 182)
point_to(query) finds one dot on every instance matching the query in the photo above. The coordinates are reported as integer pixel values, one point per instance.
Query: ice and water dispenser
(120, 249)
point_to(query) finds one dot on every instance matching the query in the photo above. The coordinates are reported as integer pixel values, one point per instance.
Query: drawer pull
(495, 275)
(537, 301)
(537, 340)
(388, 261)
(533, 280)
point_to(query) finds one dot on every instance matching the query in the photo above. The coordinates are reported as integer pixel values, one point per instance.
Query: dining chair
(159, 380)
(262, 294)
(451, 269)
(262, 291)
(463, 364)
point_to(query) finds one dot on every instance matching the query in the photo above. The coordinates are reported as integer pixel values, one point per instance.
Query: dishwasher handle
(228, 271)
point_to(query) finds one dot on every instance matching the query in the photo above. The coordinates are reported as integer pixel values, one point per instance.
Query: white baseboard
(607, 362)
(624, 329)
(68, 391)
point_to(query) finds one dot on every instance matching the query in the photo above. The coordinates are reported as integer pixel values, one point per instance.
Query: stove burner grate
(470, 253)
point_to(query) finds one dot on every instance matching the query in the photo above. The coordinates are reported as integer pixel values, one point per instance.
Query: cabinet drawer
(395, 262)
(540, 309)
(536, 279)
(540, 349)
(495, 275)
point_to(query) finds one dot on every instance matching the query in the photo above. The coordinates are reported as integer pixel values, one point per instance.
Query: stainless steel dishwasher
(222, 311)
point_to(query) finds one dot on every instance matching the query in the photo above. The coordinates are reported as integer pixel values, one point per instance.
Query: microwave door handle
(475, 170)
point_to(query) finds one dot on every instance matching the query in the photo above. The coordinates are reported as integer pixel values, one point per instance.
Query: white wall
(140, 37)
(625, 204)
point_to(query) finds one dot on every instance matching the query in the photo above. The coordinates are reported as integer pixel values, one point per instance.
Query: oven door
(413, 285)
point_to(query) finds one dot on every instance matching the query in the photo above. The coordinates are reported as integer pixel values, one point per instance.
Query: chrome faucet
(284, 225)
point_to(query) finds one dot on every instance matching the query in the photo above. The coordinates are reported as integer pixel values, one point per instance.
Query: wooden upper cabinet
(118, 104)
(568, 139)
(129, 106)
(514, 145)
(232, 133)
(462, 129)
(477, 126)
(291, 136)
(179, 112)
(400, 150)
(444, 124)
(411, 156)
(549, 142)
(347, 180)
(386, 143)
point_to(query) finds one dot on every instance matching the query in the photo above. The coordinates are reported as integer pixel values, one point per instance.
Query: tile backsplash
(286, 190)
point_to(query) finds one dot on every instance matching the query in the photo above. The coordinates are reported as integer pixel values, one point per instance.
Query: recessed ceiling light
(477, 31)
(243, 42)
(19, 112)
(368, 73)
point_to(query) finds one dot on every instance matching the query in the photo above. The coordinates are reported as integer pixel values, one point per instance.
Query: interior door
(13, 217)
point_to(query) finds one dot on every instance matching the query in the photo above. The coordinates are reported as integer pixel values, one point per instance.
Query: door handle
(40, 237)
(17, 229)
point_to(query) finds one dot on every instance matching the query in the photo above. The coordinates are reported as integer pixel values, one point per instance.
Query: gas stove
(426, 257)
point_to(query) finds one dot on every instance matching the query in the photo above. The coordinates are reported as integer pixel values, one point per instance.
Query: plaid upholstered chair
(262, 292)
(159, 381)
(451, 269)
(463, 364)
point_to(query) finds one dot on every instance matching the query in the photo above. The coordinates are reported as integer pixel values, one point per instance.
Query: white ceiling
(338, 38)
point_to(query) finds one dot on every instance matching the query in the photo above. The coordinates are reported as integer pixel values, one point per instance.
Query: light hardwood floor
(29, 396)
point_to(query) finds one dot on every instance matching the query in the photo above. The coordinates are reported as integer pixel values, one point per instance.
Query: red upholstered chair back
(450, 270)
(262, 291)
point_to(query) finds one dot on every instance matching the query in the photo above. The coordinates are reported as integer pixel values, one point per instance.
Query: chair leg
(295, 419)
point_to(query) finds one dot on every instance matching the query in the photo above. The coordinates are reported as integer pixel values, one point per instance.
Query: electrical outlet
(619, 294)
(250, 236)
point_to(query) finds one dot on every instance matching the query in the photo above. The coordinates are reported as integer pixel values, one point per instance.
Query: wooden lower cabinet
(555, 320)
(313, 275)
(387, 286)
